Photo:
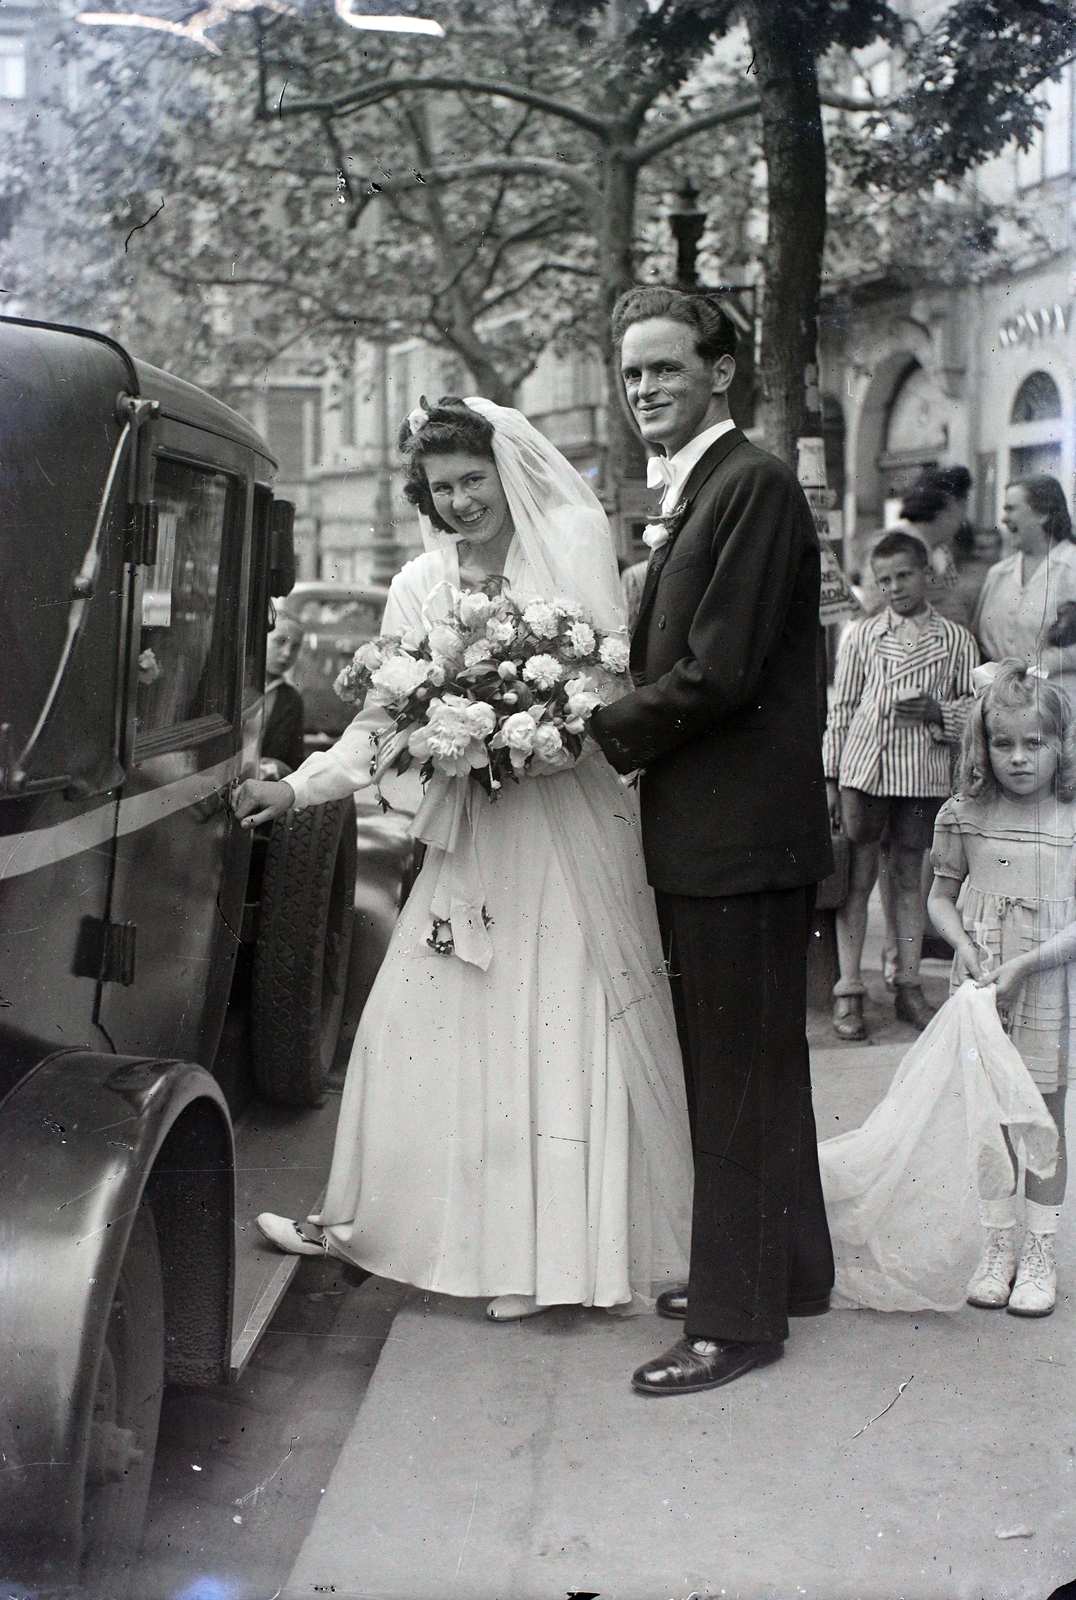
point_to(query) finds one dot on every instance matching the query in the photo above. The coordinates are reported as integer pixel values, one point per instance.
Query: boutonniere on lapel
(663, 530)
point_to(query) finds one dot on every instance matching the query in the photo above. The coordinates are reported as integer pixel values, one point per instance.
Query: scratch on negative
(889, 1407)
(252, 1495)
(145, 224)
(470, 1519)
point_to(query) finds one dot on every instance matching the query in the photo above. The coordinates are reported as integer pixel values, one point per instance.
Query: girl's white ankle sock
(1041, 1219)
(998, 1213)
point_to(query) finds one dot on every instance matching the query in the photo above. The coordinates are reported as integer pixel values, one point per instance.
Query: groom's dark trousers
(724, 721)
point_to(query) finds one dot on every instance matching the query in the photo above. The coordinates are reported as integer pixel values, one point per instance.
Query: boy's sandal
(848, 1020)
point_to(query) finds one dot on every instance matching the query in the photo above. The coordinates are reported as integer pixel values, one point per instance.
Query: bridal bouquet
(495, 689)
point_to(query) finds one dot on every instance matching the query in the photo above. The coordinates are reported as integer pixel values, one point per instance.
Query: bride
(513, 1123)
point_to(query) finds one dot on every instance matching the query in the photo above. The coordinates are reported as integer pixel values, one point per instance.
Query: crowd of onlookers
(907, 673)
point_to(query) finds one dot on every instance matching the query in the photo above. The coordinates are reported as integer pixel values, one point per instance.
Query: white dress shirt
(674, 471)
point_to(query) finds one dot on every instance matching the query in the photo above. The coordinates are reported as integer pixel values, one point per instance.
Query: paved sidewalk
(515, 1463)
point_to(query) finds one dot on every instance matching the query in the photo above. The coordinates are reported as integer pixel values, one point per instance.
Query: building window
(12, 68)
(1051, 150)
(1038, 399)
(1029, 460)
(293, 428)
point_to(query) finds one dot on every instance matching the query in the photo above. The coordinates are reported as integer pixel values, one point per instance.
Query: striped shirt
(881, 662)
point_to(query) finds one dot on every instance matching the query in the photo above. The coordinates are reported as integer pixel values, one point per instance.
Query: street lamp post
(688, 225)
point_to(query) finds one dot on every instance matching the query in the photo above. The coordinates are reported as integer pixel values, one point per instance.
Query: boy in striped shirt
(901, 696)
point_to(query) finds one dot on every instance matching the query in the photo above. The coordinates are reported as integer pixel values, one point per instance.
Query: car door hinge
(142, 525)
(105, 951)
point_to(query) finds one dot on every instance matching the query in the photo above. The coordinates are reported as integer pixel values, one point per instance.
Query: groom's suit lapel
(703, 469)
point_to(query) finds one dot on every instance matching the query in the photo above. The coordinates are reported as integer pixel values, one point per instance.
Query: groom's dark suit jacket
(725, 714)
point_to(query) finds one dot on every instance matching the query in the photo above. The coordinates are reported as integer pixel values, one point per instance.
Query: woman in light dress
(513, 1124)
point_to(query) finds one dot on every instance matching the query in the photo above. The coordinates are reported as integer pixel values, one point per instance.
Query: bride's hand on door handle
(256, 801)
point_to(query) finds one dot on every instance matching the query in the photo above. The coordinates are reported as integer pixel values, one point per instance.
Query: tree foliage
(492, 192)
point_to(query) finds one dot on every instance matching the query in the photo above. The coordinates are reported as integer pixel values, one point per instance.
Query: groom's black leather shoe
(683, 1370)
(672, 1303)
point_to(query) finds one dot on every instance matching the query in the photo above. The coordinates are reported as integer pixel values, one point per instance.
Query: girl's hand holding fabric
(257, 802)
(969, 965)
(1009, 979)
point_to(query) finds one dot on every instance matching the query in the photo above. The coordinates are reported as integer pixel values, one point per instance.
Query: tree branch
(497, 166)
(383, 89)
(850, 102)
(570, 268)
(649, 148)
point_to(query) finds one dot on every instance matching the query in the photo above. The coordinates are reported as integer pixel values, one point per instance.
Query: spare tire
(302, 950)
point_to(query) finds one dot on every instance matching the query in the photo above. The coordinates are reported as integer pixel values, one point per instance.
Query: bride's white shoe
(288, 1236)
(511, 1307)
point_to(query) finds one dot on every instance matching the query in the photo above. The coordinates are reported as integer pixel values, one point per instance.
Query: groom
(724, 721)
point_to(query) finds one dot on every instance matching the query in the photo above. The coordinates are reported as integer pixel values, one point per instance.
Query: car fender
(83, 1138)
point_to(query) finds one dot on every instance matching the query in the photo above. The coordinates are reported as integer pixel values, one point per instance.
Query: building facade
(982, 375)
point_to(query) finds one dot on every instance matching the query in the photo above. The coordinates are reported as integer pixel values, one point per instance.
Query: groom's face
(670, 387)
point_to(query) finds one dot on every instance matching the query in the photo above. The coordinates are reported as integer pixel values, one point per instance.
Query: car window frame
(193, 447)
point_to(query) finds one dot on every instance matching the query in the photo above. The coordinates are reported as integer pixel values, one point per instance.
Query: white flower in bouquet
(499, 631)
(581, 638)
(545, 672)
(372, 654)
(445, 642)
(436, 675)
(517, 735)
(481, 719)
(413, 639)
(582, 698)
(541, 618)
(448, 737)
(478, 652)
(397, 679)
(507, 671)
(568, 608)
(474, 609)
(549, 746)
(615, 652)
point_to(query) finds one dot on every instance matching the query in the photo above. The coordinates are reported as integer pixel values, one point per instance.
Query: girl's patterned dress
(1018, 866)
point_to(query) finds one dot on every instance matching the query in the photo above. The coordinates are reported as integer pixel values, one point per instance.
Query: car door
(177, 875)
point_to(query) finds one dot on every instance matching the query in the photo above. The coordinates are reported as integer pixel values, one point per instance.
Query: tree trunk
(626, 458)
(795, 152)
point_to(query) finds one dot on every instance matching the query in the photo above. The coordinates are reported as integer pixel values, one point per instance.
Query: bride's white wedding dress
(520, 1129)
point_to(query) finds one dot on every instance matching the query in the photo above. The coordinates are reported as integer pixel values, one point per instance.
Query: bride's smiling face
(468, 496)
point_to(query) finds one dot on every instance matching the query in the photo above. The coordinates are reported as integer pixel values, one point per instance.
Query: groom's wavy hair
(700, 310)
(1016, 689)
(453, 429)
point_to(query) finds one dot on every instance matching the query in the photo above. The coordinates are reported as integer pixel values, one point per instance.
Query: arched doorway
(916, 433)
(1035, 427)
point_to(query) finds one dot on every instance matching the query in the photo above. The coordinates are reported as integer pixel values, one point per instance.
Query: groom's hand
(620, 759)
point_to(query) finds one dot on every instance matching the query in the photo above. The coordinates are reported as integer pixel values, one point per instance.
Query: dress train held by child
(903, 1191)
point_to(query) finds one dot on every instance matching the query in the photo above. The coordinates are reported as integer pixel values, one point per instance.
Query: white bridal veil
(561, 528)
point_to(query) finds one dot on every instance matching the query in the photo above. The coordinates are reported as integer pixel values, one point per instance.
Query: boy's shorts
(910, 818)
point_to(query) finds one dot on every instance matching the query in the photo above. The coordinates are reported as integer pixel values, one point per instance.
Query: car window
(190, 609)
(364, 615)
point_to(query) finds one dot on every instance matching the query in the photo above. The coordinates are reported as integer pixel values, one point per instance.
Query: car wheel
(302, 951)
(126, 1413)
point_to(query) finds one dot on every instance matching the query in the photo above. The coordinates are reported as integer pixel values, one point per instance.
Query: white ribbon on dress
(445, 822)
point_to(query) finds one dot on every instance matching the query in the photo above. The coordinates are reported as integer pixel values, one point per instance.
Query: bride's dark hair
(453, 429)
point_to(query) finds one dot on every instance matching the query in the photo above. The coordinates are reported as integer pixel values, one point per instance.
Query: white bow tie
(659, 474)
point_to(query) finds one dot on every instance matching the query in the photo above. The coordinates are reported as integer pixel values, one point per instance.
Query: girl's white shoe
(1035, 1293)
(991, 1282)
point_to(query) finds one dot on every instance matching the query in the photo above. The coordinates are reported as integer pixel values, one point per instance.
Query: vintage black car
(140, 546)
(335, 620)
